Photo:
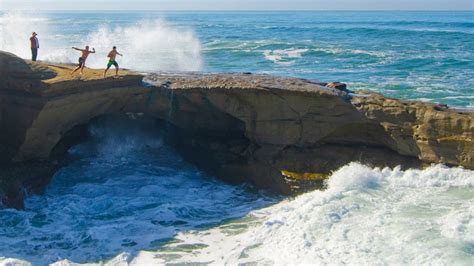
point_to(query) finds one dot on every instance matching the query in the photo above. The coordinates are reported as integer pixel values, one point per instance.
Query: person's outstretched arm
(120, 54)
(77, 49)
(93, 51)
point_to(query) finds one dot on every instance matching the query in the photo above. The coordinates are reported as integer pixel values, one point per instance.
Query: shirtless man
(112, 54)
(82, 59)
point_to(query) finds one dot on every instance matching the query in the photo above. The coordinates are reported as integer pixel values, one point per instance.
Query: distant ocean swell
(384, 28)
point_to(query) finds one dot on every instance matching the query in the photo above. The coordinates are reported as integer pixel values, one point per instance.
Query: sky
(237, 4)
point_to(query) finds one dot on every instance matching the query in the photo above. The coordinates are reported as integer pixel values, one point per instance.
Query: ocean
(126, 198)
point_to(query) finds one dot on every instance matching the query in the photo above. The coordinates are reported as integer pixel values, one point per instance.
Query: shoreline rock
(239, 127)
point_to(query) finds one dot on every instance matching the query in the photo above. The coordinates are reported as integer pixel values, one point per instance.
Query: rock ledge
(249, 127)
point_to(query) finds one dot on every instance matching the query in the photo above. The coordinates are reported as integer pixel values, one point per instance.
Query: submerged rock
(340, 86)
(239, 127)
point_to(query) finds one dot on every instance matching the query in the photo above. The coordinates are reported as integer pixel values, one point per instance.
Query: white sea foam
(148, 46)
(437, 30)
(459, 97)
(337, 51)
(365, 216)
(283, 56)
(459, 224)
(13, 262)
(15, 31)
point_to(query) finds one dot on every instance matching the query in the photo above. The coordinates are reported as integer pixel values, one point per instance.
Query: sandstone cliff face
(422, 130)
(19, 105)
(250, 127)
(298, 113)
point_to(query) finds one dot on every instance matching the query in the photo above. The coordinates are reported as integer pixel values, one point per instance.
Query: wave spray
(147, 45)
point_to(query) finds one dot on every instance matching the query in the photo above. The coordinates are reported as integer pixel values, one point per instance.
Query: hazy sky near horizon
(237, 4)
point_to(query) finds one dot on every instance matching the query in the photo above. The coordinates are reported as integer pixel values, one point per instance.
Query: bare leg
(76, 69)
(82, 69)
(105, 72)
(116, 70)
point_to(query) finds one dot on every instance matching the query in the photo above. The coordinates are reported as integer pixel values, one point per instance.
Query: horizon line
(252, 10)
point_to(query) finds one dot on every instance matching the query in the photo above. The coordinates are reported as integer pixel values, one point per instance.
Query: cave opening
(211, 150)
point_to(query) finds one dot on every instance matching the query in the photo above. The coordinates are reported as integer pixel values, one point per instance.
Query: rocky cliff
(240, 127)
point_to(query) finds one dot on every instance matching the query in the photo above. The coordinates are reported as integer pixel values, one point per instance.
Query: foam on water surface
(365, 216)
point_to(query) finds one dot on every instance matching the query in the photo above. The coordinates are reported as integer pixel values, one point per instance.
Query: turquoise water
(412, 55)
(126, 198)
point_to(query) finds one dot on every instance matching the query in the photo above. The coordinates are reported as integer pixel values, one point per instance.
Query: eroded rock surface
(422, 130)
(240, 127)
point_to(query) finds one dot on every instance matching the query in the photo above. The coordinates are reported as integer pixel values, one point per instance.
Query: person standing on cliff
(82, 58)
(34, 43)
(112, 54)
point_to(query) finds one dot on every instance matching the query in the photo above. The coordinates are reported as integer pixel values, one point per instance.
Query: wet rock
(340, 86)
(440, 107)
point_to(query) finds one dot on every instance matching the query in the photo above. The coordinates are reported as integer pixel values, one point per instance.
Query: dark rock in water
(441, 107)
(340, 86)
(337, 85)
(19, 180)
(241, 128)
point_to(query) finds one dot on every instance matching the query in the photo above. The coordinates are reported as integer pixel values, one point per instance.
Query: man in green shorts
(112, 54)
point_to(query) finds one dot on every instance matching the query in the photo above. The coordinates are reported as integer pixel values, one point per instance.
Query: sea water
(125, 197)
(125, 190)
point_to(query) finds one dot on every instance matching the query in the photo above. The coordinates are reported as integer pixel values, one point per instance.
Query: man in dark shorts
(83, 58)
(112, 54)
